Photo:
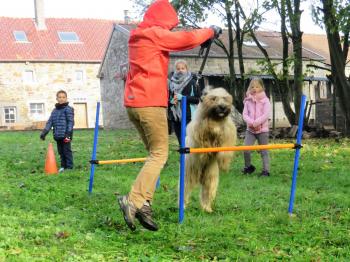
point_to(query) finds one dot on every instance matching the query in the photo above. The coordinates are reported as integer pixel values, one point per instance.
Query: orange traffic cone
(50, 163)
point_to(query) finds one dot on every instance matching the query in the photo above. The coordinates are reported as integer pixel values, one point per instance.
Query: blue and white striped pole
(182, 159)
(297, 154)
(94, 149)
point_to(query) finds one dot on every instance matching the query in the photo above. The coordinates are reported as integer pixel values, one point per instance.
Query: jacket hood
(59, 106)
(160, 13)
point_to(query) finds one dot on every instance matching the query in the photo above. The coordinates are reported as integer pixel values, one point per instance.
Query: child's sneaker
(265, 173)
(248, 170)
(61, 170)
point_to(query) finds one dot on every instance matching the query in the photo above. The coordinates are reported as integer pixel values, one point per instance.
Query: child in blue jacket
(62, 121)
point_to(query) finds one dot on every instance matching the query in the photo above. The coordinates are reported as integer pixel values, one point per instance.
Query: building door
(80, 115)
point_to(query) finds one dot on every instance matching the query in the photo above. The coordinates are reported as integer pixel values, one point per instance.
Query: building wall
(112, 82)
(48, 79)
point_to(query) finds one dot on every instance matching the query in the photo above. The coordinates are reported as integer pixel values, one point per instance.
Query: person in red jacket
(146, 99)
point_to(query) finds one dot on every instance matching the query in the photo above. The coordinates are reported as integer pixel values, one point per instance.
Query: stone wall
(48, 79)
(112, 81)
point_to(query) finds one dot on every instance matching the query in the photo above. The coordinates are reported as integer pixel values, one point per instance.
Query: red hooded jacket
(149, 47)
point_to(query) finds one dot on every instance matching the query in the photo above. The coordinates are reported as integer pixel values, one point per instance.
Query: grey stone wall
(112, 82)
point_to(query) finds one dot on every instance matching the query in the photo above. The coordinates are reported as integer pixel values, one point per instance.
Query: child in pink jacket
(256, 114)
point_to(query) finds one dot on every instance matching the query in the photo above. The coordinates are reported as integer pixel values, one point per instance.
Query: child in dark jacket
(62, 121)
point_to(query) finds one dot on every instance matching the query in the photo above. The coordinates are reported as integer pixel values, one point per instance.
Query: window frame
(35, 110)
(75, 80)
(9, 121)
(25, 79)
(23, 34)
(62, 33)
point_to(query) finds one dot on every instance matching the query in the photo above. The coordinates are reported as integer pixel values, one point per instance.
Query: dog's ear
(206, 91)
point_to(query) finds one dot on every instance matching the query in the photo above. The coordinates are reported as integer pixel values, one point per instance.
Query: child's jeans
(152, 125)
(66, 155)
(263, 139)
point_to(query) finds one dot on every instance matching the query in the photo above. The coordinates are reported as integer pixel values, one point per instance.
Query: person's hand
(67, 140)
(175, 100)
(254, 128)
(42, 136)
(206, 44)
(217, 30)
(178, 97)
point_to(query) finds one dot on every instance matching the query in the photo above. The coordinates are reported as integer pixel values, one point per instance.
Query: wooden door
(80, 115)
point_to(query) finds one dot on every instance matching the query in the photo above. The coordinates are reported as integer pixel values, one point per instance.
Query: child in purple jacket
(256, 114)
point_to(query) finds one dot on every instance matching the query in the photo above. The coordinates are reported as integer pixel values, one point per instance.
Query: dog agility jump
(185, 150)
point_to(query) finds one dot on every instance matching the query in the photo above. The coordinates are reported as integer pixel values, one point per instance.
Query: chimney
(39, 14)
(126, 17)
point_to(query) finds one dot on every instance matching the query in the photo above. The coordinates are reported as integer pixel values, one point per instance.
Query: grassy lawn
(53, 218)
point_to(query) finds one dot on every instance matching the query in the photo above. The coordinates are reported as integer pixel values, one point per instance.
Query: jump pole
(182, 159)
(297, 154)
(94, 149)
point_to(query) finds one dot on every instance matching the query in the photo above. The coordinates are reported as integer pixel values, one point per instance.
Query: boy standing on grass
(62, 121)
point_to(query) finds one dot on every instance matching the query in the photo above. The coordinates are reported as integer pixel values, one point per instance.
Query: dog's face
(217, 103)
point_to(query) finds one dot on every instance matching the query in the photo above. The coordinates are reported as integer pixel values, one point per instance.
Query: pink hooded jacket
(256, 112)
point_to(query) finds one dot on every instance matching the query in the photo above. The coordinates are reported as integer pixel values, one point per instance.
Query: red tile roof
(272, 40)
(45, 45)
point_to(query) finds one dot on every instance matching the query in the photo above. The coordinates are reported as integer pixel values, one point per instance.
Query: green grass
(52, 218)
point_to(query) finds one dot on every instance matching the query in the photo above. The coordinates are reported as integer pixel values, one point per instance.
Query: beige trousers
(152, 125)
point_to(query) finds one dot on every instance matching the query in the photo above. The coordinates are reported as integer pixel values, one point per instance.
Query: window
(10, 114)
(28, 76)
(79, 76)
(36, 108)
(323, 90)
(252, 43)
(20, 36)
(68, 37)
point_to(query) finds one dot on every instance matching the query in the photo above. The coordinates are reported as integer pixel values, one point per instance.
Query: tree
(282, 86)
(192, 12)
(335, 15)
(239, 27)
(294, 14)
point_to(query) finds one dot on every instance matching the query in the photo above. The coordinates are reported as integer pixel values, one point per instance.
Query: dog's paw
(207, 209)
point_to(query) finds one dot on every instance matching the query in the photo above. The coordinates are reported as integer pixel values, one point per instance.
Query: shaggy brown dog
(212, 126)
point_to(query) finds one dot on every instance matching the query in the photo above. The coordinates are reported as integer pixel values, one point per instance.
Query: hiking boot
(265, 173)
(129, 211)
(248, 170)
(144, 215)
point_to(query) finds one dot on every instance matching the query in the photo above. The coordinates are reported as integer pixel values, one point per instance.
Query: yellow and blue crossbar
(117, 161)
(189, 150)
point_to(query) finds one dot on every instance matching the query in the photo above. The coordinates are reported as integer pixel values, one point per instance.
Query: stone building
(115, 65)
(40, 56)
